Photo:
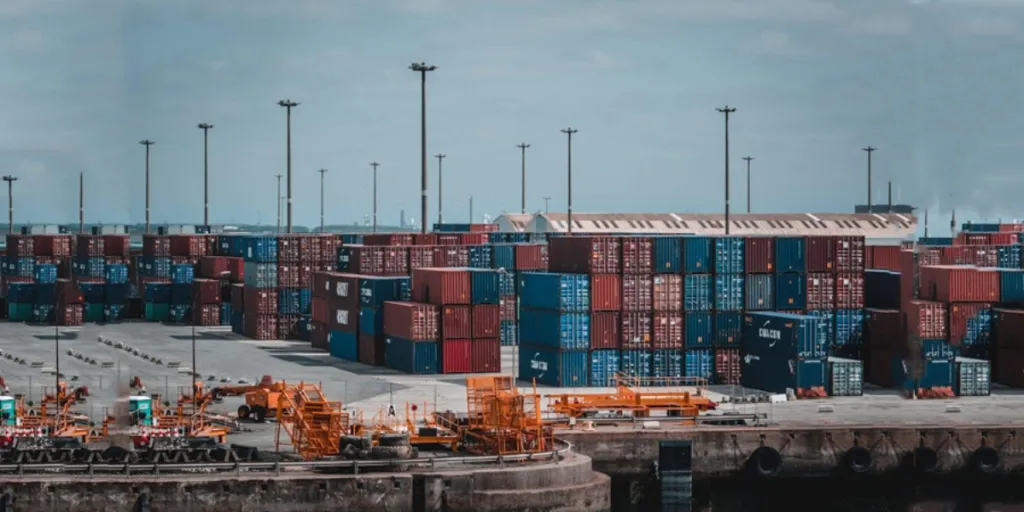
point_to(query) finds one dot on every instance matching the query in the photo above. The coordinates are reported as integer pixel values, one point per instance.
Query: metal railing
(277, 468)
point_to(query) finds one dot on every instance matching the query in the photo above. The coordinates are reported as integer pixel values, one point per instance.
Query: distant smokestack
(952, 223)
(890, 196)
(926, 223)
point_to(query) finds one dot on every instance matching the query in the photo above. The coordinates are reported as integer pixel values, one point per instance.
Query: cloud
(24, 8)
(25, 40)
(881, 26)
(773, 42)
(986, 26)
(216, 65)
(786, 11)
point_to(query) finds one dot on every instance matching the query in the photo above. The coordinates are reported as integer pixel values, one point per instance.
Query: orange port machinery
(502, 420)
(635, 398)
(314, 424)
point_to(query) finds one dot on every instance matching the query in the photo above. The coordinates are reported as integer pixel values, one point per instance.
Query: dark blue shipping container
(45, 273)
(507, 283)
(979, 328)
(790, 254)
(181, 293)
(43, 314)
(849, 326)
(374, 291)
(729, 292)
(480, 256)
(552, 367)
(414, 357)
(1009, 256)
(117, 294)
(667, 364)
(546, 328)
(781, 334)
(518, 238)
(698, 330)
(352, 239)
(760, 292)
(636, 363)
(180, 313)
(509, 333)
(261, 249)
(182, 273)
(45, 293)
(371, 320)
(89, 267)
(116, 273)
(344, 258)
(933, 240)
(503, 256)
(156, 266)
(937, 373)
(452, 228)
(882, 289)
(604, 364)
(697, 255)
(306, 301)
(343, 345)
(790, 291)
(93, 292)
(728, 328)
(484, 286)
(288, 301)
(113, 312)
(973, 227)
(938, 349)
(826, 326)
(237, 322)
(22, 293)
(700, 363)
(698, 292)
(730, 255)
(1011, 285)
(22, 267)
(777, 373)
(565, 292)
(225, 313)
(668, 255)
(304, 334)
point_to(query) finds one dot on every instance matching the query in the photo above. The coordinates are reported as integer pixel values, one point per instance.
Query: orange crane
(261, 400)
(635, 398)
(314, 424)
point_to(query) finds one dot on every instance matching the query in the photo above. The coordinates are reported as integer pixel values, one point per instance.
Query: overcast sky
(935, 85)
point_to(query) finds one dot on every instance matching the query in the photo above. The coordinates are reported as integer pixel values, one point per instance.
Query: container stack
(783, 353)
(226, 271)
(706, 330)
(30, 272)
(509, 259)
(335, 323)
(1008, 354)
(154, 278)
(555, 330)
(260, 300)
(118, 289)
(373, 293)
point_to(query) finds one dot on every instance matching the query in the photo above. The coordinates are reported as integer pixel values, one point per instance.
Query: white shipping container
(845, 377)
(973, 377)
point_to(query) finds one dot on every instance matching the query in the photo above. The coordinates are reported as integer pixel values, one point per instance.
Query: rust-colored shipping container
(421, 256)
(955, 255)
(86, 246)
(1008, 328)
(52, 245)
(372, 349)
(396, 261)
(821, 253)
(928, 255)
(636, 331)
(508, 307)
(849, 290)
(305, 275)
(206, 315)
(728, 366)
(318, 335)
(288, 275)
(238, 297)
(68, 292)
(884, 328)
(986, 255)
(473, 238)
(637, 255)
(959, 315)
(667, 292)
(879, 365)
(414, 321)
(441, 286)
(117, 245)
(288, 249)
(883, 257)
(606, 292)
(1015, 227)
(451, 256)
(585, 254)
(849, 253)
(605, 330)
(1009, 367)
(215, 267)
(187, 245)
(455, 355)
(261, 327)
(760, 255)
(21, 246)
(365, 259)
(206, 291)
(486, 355)
(486, 320)
(388, 239)
(908, 277)
(176, 260)
(424, 239)
(318, 309)
(927, 319)
(329, 249)
(338, 288)
(636, 292)
(260, 302)
(70, 314)
(821, 291)
(959, 284)
(448, 239)
(531, 256)
(456, 322)
(311, 250)
(667, 331)
(288, 327)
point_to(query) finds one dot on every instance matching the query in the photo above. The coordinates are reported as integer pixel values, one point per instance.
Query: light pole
(81, 202)
(422, 68)
(205, 127)
(322, 172)
(374, 165)
(440, 209)
(10, 202)
(869, 150)
(748, 159)
(569, 132)
(546, 201)
(147, 143)
(522, 148)
(279, 176)
(289, 105)
(726, 111)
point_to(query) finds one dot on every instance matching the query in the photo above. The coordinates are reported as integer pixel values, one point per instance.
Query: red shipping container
(318, 309)
(318, 335)
(372, 349)
(311, 249)
(878, 369)
(68, 292)
(206, 291)
(388, 239)
(927, 320)
(86, 246)
(363, 259)
(531, 256)
(637, 255)
(440, 286)
(456, 322)
(70, 314)
(415, 321)
(956, 255)
(486, 320)
(636, 292)
(187, 245)
(883, 257)
(238, 298)
(473, 238)
(959, 314)
(455, 355)
(451, 256)
(305, 275)
(176, 260)
(288, 327)
(483, 228)
(636, 331)
(606, 292)
(821, 291)
(116, 245)
(1011, 228)
(448, 239)
(339, 289)
(1003, 238)
(52, 245)
(1008, 328)
(1009, 367)
(260, 302)
(928, 255)
(849, 290)
(849, 253)
(288, 275)
(288, 250)
(760, 255)
(487, 355)
(206, 315)
(985, 255)
(821, 253)
(508, 307)
(667, 331)
(585, 254)
(261, 327)
(215, 267)
(959, 284)
(329, 249)
(421, 256)
(728, 366)
(396, 261)
(884, 328)
(667, 292)
(605, 330)
(21, 246)
(424, 239)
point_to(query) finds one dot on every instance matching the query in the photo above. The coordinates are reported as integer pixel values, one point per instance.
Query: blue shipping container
(849, 326)
(225, 313)
(184, 273)
(777, 373)
(1009, 256)
(881, 289)
(782, 334)
(729, 292)
(90, 267)
(374, 291)
(667, 364)
(155, 267)
(698, 292)
(45, 273)
(117, 294)
(565, 292)
(261, 249)
(1011, 285)
(484, 286)
(181, 293)
(604, 364)
(979, 328)
(24, 267)
(698, 330)
(343, 345)
(45, 293)
(697, 255)
(116, 273)
(730, 255)
(507, 283)
(260, 275)
(973, 227)
(114, 312)
(43, 313)
(179, 313)
(21, 293)
(288, 301)
(790, 254)
(237, 322)
(480, 256)
(414, 357)
(790, 291)
(933, 240)
(352, 239)
(371, 320)
(503, 256)
(93, 292)
(305, 301)
(636, 363)
(546, 328)
(760, 292)
(938, 349)
(728, 328)
(826, 326)
(509, 333)
(700, 363)
(937, 373)
(552, 367)
(668, 255)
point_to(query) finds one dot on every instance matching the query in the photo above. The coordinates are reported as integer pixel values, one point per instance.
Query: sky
(936, 85)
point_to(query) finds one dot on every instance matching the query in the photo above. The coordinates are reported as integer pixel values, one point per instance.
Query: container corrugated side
(456, 322)
(604, 330)
(544, 328)
(552, 367)
(790, 292)
(697, 255)
(636, 254)
(1008, 363)
(820, 253)
(729, 292)
(777, 374)
(486, 321)
(937, 373)
(820, 291)
(486, 354)
(973, 377)
(849, 252)
(783, 335)
(698, 292)
(926, 319)
(1011, 285)
(845, 377)
(606, 292)
(667, 292)
(371, 320)
(604, 365)
(1009, 256)
(343, 345)
(484, 286)
(730, 255)
(760, 292)
(567, 292)
(636, 330)
(637, 292)
(760, 255)
(959, 284)
(790, 254)
(636, 363)
(970, 323)
(667, 255)
(849, 326)
(728, 366)
(728, 328)
(413, 357)
(667, 364)
(698, 330)
(583, 254)
(455, 356)
(699, 363)
(667, 331)
(1008, 328)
